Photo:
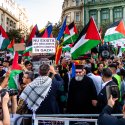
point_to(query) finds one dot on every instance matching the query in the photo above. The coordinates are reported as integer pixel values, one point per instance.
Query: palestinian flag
(33, 34)
(46, 32)
(115, 32)
(45, 35)
(10, 47)
(4, 40)
(67, 48)
(70, 35)
(88, 39)
(27, 56)
(15, 71)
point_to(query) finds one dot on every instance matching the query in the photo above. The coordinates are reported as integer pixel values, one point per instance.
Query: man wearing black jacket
(106, 118)
(102, 97)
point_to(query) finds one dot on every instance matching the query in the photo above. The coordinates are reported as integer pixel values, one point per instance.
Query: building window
(118, 13)
(77, 17)
(77, 2)
(93, 13)
(68, 15)
(105, 16)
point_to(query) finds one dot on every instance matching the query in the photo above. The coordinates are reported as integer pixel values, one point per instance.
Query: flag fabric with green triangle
(27, 56)
(4, 40)
(33, 34)
(87, 39)
(10, 47)
(115, 31)
(15, 71)
(70, 34)
(67, 48)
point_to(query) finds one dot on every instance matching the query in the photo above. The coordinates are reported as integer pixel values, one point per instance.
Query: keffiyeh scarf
(35, 93)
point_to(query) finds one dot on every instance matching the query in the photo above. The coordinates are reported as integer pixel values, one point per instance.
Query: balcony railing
(93, 2)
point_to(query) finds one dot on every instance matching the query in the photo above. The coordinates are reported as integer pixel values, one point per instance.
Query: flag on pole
(70, 35)
(49, 30)
(15, 71)
(4, 40)
(115, 31)
(60, 39)
(67, 48)
(10, 47)
(45, 35)
(61, 32)
(33, 34)
(87, 39)
(58, 54)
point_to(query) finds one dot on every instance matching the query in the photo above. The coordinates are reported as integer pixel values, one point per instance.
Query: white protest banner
(43, 45)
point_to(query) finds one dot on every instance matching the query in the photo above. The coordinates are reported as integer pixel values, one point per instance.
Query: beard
(79, 78)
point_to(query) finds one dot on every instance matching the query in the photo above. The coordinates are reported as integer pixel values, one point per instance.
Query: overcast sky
(42, 11)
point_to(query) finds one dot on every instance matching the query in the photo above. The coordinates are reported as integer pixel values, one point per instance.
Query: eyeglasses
(25, 77)
(78, 72)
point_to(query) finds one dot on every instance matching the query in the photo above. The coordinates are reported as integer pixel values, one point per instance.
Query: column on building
(86, 15)
(99, 18)
(72, 16)
(83, 17)
(111, 14)
(9, 21)
(4, 21)
(124, 13)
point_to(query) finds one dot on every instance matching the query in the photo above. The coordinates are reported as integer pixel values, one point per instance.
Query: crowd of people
(55, 90)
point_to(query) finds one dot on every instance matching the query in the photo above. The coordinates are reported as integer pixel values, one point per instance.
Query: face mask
(95, 57)
(78, 78)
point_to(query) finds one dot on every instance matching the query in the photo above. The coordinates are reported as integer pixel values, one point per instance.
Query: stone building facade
(13, 16)
(103, 11)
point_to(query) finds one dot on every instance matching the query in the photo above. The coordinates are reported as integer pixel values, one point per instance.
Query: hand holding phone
(111, 101)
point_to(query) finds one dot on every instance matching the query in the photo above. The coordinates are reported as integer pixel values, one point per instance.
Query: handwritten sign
(43, 45)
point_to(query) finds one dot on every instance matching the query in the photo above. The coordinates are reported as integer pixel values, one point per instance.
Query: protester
(106, 118)
(27, 66)
(116, 77)
(27, 78)
(122, 72)
(40, 94)
(82, 93)
(97, 80)
(102, 97)
(2, 71)
(6, 65)
(100, 67)
(63, 68)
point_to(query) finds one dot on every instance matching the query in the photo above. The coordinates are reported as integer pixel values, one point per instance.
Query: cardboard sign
(19, 47)
(43, 45)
